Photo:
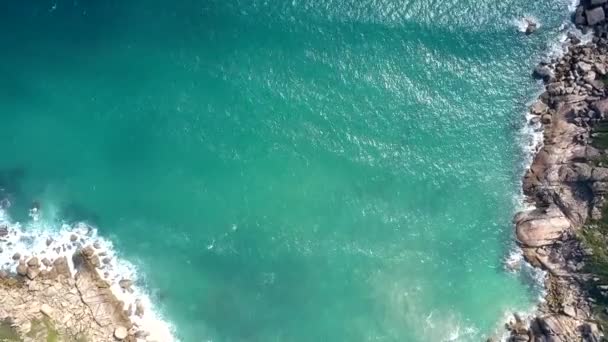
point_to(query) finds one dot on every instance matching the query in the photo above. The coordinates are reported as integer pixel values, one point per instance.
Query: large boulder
(541, 227)
(61, 267)
(22, 269)
(33, 262)
(595, 16)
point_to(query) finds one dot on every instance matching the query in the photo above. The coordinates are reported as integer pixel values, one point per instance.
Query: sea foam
(47, 239)
(523, 23)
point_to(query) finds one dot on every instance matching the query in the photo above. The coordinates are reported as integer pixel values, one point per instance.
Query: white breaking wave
(523, 23)
(43, 239)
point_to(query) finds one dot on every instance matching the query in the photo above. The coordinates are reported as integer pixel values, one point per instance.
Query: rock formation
(45, 299)
(566, 184)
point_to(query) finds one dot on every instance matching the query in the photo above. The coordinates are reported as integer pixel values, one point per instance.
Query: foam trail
(47, 240)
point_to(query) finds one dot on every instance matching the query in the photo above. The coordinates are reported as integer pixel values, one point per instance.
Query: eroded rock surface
(566, 183)
(55, 302)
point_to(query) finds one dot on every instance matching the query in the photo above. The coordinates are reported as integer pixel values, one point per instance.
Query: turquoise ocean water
(306, 170)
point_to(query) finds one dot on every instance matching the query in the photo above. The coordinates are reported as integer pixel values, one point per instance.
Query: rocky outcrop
(566, 184)
(595, 16)
(96, 294)
(541, 227)
(44, 299)
(531, 26)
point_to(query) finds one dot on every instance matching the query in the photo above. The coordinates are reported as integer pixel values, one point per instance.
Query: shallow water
(313, 170)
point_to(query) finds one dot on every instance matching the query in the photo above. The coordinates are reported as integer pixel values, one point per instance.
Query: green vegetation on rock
(43, 330)
(600, 135)
(8, 332)
(593, 236)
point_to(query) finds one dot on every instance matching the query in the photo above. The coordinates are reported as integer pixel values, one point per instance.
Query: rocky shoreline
(56, 299)
(567, 184)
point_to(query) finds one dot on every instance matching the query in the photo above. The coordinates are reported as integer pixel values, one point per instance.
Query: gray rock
(569, 310)
(590, 76)
(46, 262)
(596, 213)
(139, 308)
(555, 87)
(583, 67)
(33, 262)
(141, 334)
(95, 261)
(22, 270)
(579, 18)
(531, 26)
(534, 121)
(32, 272)
(598, 2)
(88, 252)
(3, 231)
(125, 284)
(16, 256)
(599, 85)
(61, 267)
(595, 16)
(539, 108)
(543, 72)
(520, 338)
